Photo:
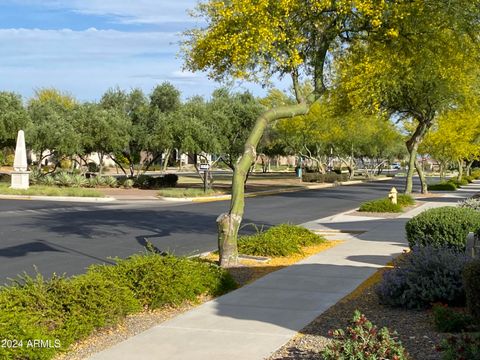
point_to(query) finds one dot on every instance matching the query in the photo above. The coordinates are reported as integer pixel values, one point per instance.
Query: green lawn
(44, 190)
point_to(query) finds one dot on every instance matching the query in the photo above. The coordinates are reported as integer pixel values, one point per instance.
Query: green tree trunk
(228, 224)
(411, 170)
(421, 175)
(412, 147)
(460, 170)
(469, 168)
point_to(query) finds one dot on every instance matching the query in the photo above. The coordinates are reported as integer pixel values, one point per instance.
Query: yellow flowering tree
(256, 40)
(423, 64)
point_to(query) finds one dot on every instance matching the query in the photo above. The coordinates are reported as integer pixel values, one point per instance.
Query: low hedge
(459, 183)
(324, 178)
(444, 226)
(150, 182)
(385, 205)
(471, 280)
(443, 186)
(281, 240)
(380, 205)
(62, 310)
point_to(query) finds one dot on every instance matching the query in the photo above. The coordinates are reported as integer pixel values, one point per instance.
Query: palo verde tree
(424, 63)
(454, 138)
(257, 39)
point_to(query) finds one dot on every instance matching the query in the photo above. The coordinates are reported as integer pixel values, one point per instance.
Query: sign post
(205, 168)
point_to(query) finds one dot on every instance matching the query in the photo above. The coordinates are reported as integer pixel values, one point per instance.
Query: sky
(85, 47)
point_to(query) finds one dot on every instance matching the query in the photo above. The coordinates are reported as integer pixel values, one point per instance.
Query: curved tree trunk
(228, 224)
(421, 175)
(469, 167)
(412, 147)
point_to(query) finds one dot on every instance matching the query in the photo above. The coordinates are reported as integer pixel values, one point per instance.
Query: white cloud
(127, 11)
(86, 63)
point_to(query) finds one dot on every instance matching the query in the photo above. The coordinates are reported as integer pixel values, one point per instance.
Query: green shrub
(63, 179)
(150, 182)
(475, 174)
(380, 205)
(5, 178)
(405, 200)
(364, 341)
(78, 181)
(110, 181)
(450, 320)
(444, 226)
(9, 159)
(69, 309)
(443, 186)
(47, 180)
(458, 183)
(424, 276)
(128, 183)
(324, 178)
(471, 280)
(93, 167)
(469, 179)
(167, 280)
(462, 347)
(281, 240)
(59, 309)
(65, 164)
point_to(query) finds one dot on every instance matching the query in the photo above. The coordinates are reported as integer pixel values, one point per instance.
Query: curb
(58, 198)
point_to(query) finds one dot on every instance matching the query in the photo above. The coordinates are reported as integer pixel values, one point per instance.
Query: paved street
(66, 237)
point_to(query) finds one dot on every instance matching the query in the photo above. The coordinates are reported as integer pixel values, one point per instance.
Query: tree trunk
(412, 147)
(166, 158)
(228, 224)
(411, 170)
(421, 175)
(469, 167)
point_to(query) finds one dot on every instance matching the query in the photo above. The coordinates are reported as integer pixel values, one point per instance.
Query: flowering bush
(364, 341)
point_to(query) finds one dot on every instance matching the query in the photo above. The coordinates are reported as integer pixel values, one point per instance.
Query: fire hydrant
(392, 195)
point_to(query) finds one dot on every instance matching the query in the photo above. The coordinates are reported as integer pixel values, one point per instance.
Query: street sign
(204, 166)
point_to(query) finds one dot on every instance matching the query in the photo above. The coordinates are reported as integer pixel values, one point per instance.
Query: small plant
(471, 280)
(380, 205)
(450, 320)
(78, 181)
(462, 347)
(110, 181)
(424, 276)
(128, 183)
(364, 341)
(472, 203)
(47, 180)
(444, 226)
(281, 240)
(405, 200)
(444, 186)
(63, 179)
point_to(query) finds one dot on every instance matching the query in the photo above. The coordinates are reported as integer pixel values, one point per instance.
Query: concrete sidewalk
(254, 321)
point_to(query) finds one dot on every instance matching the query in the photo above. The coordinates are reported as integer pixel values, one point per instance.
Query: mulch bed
(415, 328)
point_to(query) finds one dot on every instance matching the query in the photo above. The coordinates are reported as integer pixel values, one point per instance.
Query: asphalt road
(67, 237)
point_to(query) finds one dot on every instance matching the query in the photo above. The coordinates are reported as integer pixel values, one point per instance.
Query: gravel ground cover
(415, 328)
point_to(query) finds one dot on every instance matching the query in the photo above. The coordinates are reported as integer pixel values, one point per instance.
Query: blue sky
(85, 47)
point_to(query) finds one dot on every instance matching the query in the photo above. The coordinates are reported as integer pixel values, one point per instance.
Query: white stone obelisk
(20, 175)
